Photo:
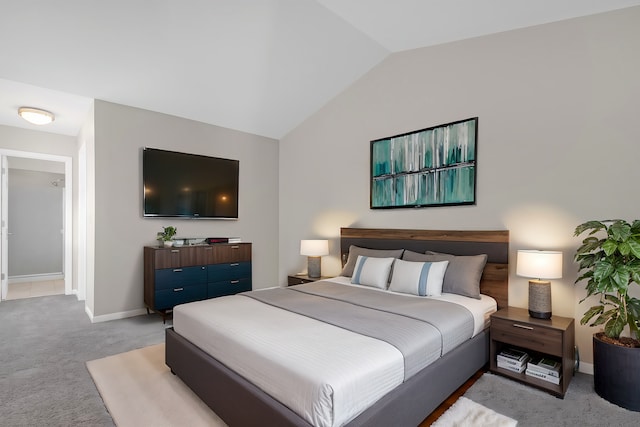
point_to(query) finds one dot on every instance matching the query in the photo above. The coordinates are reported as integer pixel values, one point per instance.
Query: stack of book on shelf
(544, 368)
(513, 360)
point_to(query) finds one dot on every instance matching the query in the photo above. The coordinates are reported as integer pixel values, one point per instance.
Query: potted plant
(166, 235)
(609, 261)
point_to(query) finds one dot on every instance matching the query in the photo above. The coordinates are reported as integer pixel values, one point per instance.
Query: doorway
(35, 247)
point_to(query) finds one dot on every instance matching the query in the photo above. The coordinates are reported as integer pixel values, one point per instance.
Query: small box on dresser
(512, 327)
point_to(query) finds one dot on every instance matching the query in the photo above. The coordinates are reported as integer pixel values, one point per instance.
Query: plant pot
(168, 243)
(616, 373)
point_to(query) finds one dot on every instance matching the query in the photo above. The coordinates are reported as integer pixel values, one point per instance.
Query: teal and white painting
(429, 167)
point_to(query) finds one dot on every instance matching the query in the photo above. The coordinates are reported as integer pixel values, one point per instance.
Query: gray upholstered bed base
(240, 403)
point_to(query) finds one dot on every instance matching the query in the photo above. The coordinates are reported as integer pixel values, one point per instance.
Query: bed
(402, 396)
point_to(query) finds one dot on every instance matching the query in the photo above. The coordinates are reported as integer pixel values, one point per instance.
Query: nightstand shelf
(513, 327)
(299, 279)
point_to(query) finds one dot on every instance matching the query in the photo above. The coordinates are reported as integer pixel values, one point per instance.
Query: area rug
(467, 413)
(139, 389)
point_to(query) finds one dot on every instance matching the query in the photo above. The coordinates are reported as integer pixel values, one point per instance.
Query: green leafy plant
(167, 233)
(609, 260)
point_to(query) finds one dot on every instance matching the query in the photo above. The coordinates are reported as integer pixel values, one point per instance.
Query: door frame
(67, 220)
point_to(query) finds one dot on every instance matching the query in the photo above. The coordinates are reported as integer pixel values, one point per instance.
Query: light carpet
(467, 413)
(138, 389)
(46, 342)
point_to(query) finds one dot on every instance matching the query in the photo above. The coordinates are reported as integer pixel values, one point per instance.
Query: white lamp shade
(539, 264)
(314, 247)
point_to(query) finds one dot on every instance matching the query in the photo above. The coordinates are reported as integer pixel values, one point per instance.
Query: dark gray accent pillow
(463, 273)
(354, 251)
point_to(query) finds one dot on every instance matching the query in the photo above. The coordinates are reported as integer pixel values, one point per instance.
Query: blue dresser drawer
(168, 298)
(229, 271)
(168, 278)
(228, 287)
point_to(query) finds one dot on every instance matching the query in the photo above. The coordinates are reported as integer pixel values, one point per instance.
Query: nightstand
(513, 327)
(299, 279)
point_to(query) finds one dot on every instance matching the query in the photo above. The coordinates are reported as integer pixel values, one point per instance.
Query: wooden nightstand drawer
(531, 336)
(293, 280)
(299, 279)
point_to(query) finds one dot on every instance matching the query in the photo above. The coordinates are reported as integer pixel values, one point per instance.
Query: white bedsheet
(328, 375)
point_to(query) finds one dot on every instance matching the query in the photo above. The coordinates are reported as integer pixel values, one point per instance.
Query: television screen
(189, 185)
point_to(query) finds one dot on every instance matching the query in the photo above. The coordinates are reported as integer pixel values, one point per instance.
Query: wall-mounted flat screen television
(189, 185)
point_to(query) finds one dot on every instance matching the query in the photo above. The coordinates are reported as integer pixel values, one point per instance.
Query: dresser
(178, 275)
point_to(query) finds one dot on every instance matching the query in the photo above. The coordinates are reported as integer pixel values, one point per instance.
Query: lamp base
(540, 315)
(540, 299)
(313, 266)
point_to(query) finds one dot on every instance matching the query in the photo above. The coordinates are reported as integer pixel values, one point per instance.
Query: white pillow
(371, 271)
(418, 278)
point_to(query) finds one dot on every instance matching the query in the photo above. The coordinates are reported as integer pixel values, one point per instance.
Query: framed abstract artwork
(429, 167)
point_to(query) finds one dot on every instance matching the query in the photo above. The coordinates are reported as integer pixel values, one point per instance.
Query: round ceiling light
(36, 115)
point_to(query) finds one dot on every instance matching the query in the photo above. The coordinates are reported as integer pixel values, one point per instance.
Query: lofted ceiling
(259, 66)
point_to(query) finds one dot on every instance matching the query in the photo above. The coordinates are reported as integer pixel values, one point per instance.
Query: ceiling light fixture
(36, 115)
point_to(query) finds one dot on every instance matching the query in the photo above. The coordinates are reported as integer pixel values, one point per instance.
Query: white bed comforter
(326, 374)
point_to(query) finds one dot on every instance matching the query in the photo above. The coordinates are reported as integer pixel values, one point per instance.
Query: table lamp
(314, 249)
(539, 265)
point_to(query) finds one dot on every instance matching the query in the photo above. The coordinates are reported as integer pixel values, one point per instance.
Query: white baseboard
(35, 278)
(114, 316)
(586, 368)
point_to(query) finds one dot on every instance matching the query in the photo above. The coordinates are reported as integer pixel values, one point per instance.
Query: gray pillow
(463, 273)
(354, 251)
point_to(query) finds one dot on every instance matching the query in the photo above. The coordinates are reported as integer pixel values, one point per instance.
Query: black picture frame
(435, 166)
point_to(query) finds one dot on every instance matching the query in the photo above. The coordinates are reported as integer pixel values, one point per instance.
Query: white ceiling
(260, 66)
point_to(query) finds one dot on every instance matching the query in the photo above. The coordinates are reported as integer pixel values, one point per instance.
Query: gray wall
(557, 143)
(120, 230)
(12, 138)
(35, 223)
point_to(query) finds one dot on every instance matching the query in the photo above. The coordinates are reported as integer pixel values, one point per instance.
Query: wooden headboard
(495, 278)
